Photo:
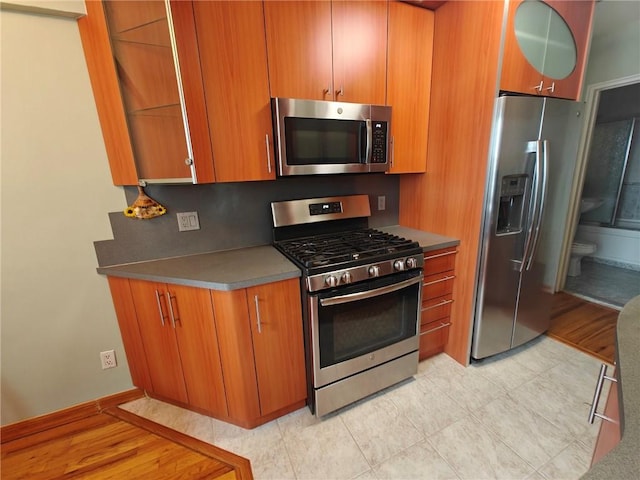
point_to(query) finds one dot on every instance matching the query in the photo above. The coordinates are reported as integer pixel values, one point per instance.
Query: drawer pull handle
(443, 279)
(596, 395)
(440, 304)
(431, 330)
(266, 140)
(258, 319)
(443, 254)
(171, 312)
(158, 295)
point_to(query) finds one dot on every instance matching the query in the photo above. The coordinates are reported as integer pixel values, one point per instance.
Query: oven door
(356, 327)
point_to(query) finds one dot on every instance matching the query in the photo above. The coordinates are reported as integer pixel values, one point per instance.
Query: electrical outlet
(188, 221)
(382, 202)
(108, 359)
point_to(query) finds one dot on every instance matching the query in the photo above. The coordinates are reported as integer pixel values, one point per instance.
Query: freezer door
(517, 124)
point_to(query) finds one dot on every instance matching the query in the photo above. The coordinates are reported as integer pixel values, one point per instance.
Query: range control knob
(374, 270)
(331, 281)
(398, 265)
(411, 262)
(346, 277)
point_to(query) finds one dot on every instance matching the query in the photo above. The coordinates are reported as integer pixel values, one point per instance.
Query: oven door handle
(353, 297)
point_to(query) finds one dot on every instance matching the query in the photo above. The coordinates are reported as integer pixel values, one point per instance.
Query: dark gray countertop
(241, 268)
(225, 270)
(623, 462)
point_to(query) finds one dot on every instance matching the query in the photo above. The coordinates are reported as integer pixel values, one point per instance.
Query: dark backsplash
(232, 215)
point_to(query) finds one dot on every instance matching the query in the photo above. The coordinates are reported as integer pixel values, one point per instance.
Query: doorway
(606, 197)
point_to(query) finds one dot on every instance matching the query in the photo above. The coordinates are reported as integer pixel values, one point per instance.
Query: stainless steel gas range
(361, 292)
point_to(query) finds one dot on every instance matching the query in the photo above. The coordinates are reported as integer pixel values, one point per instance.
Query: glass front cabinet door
(546, 47)
(152, 113)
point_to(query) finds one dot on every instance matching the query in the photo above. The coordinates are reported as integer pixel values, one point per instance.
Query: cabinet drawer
(437, 285)
(433, 337)
(435, 308)
(439, 261)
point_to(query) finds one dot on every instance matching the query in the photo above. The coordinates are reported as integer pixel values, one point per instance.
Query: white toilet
(579, 250)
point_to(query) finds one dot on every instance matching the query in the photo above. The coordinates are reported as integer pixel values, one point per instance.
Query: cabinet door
(159, 339)
(191, 311)
(409, 85)
(546, 47)
(236, 348)
(106, 92)
(276, 327)
(360, 51)
(327, 50)
(231, 42)
(130, 332)
(518, 74)
(578, 17)
(299, 49)
(141, 101)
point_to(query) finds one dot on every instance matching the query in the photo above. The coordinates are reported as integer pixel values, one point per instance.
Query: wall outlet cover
(108, 359)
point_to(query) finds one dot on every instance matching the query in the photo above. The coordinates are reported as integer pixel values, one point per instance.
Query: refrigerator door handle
(537, 148)
(542, 165)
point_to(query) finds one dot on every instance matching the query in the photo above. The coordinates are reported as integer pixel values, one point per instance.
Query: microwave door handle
(369, 140)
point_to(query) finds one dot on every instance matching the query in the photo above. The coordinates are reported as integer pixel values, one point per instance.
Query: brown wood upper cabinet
(144, 68)
(327, 50)
(546, 47)
(233, 54)
(183, 93)
(410, 44)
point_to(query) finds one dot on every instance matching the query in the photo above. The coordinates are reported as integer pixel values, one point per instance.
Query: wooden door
(231, 41)
(299, 49)
(578, 15)
(360, 51)
(130, 332)
(518, 75)
(276, 327)
(236, 348)
(159, 339)
(195, 330)
(96, 44)
(409, 85)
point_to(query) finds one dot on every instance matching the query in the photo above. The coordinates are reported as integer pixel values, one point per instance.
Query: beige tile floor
(519, 415)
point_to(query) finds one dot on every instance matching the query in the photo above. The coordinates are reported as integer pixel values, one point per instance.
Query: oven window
(313, 141)
(356, 328)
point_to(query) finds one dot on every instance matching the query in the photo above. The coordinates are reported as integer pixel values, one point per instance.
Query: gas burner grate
(339, 248)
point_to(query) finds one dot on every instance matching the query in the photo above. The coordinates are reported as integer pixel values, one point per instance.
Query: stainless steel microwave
(318, 137)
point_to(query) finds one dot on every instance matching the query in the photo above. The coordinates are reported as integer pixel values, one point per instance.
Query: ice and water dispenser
(511, 208)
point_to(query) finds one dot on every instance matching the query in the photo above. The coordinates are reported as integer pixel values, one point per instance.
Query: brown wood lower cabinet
(437, 297)
(235, 355)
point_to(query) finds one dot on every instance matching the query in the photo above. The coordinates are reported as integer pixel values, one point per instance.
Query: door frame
(592, 97)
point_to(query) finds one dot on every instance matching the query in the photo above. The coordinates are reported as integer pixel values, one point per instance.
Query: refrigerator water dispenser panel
(511, 209)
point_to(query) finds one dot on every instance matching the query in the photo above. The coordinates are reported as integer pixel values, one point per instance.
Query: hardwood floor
(114, 444)
(586, 326)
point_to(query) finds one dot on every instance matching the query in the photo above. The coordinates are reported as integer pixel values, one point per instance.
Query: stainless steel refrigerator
(531, 166)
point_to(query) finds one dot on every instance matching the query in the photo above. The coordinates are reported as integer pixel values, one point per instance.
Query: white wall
(614, 50)
(56, 311)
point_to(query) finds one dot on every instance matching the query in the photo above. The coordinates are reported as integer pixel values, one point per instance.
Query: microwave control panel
(379, 147)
